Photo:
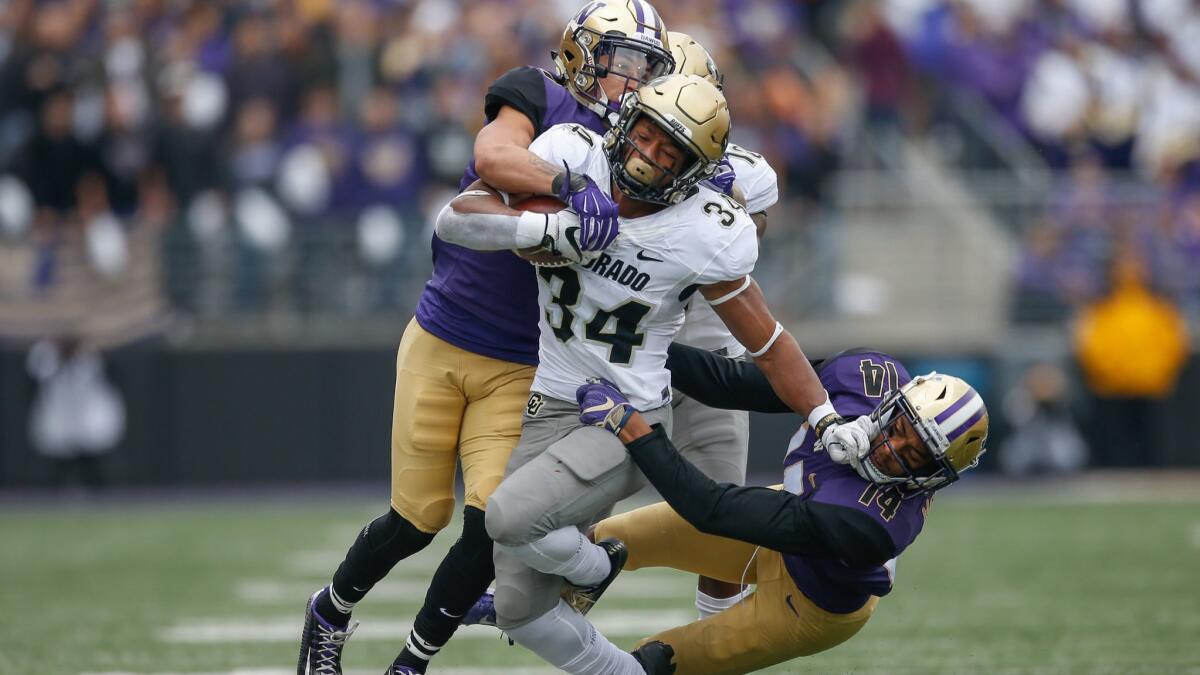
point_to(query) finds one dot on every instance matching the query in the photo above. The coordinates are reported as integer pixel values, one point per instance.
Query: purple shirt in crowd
(486, 301)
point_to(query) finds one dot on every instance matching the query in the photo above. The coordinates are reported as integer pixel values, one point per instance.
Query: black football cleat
(655, 658)
(583, 598)
(321, 643)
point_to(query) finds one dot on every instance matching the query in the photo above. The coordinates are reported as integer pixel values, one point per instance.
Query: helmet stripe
(964, 419)
(658, 25)
(641, 16)
(587, 11)
(969, 396)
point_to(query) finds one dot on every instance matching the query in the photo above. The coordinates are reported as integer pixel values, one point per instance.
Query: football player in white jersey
(717, 441)
(613, 315)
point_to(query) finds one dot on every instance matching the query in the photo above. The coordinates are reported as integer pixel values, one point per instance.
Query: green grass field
(994, 585)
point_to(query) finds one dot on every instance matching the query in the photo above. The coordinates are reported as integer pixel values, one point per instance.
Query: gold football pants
(451, 405)
(776, 623)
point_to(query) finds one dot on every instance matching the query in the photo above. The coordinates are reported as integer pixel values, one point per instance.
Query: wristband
(627, 412)
(822, 416)
(532, 228)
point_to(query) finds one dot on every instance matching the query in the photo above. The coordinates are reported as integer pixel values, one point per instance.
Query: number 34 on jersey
(616, 316)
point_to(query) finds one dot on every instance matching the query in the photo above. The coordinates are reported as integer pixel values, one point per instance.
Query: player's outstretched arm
(778, 520)
(722, 382)
(741, 305)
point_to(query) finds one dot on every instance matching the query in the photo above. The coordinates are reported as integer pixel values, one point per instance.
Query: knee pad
(513, 606)
(501, 528)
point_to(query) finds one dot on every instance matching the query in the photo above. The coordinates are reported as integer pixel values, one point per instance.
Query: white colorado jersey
(756, 179)
(615, 316)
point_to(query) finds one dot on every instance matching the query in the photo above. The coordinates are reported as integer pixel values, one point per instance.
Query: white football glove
(849, 442)
(562, 235)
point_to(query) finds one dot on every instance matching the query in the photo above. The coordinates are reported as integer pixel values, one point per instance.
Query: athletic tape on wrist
(531, 228)
(822, 416)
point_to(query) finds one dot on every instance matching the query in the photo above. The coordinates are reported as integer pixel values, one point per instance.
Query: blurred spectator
(55, 160)
(879, 58)
(1044, 438)
(77, 415)
(1131, 345)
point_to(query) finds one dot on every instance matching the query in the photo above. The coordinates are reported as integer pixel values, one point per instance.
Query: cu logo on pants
(535, 405)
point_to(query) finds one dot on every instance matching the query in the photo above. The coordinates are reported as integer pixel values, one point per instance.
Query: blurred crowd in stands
(294, 148)
(256, 158)
(272, 136)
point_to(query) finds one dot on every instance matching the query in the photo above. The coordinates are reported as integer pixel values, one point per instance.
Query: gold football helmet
(695, 115)
(691, 58)
(612, 38)
(948, 415)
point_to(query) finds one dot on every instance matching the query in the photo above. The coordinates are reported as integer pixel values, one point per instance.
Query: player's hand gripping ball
(560, 247)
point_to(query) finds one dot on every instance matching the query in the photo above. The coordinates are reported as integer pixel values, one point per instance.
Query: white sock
(708, 605)
(567, 553)
(566, 639)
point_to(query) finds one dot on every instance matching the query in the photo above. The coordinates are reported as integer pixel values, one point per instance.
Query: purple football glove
(597, 211)
(602, 405)
(724, 177)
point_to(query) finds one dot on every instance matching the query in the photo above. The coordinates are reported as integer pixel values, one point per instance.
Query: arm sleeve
(762, 516)
(722, 382)
(523, 89)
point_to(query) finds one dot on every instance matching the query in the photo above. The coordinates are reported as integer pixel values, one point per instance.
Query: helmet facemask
(915, 481)
(640, 177)
(615, 56)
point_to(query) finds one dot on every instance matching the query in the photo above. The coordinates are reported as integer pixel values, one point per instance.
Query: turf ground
(1093, 580)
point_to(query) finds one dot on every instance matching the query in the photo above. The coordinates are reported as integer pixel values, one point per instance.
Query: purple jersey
(486, 301)
(856, 383)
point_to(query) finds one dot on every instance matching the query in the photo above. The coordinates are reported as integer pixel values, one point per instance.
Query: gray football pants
(717, 441)
(561, 473)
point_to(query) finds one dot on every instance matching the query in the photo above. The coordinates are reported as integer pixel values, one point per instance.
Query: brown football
(537, 254)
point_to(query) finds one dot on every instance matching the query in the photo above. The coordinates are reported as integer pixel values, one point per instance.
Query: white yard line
(412, 589)
(627, 623)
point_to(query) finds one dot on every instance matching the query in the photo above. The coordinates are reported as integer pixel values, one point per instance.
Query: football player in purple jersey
(466, 360)
(822, 547)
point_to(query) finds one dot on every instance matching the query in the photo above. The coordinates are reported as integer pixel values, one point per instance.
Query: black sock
(461, 578)
(327, 610)
(384, 542)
